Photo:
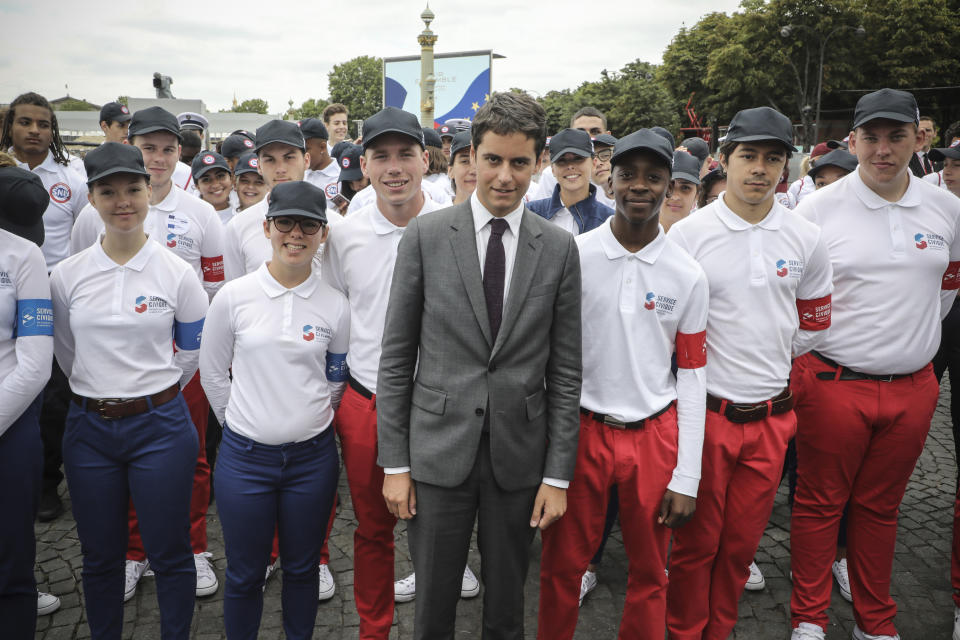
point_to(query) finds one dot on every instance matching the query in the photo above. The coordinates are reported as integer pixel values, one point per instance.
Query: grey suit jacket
(430, 415)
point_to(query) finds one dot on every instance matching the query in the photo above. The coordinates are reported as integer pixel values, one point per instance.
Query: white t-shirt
(770, 287)
(638, 308)
(285, 348)
(895, 271)
(113, 323)
(26, 326)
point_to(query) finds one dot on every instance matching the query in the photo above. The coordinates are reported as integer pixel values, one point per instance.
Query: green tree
(252, 105)
(358, 84)
(312, 108)
(124, 100)
(73, 104)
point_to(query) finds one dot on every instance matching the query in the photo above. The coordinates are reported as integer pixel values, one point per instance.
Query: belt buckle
(613, 423)
(103, 403)
(886, 378)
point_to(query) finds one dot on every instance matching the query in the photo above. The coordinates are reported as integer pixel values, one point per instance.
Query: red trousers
(356, 424)
(200, 499)
(858, 441)
(711, 555)
(640, 462)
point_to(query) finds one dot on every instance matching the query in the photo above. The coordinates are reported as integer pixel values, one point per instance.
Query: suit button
(479, 413)
(492, 368)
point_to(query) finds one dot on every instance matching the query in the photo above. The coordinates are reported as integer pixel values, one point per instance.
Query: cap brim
(683, 175)
(244, 169)
(202, 171)
(577, 151)
(455, 151)
(123, 117)
(351, 174)
(261, 145)
(32, 232)
(837, 144)
(298, 212)
(884, 115)
(114, 170)
(760, 137)
(939, 154)
(642, 147)
(154, 129)
(367, 141)
(190, 125)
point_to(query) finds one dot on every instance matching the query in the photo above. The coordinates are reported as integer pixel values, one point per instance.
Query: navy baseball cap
(349, 162)
(760, 124)
(280, 131)
(940, 153)
(446, 131)
(313, 128)
(23, 199)
(660, 131)
(837, 158)
(113, 157)
(205, 161)
(838, 144)
(247, 163)
(604, 140)
(889, 104)
(339, 148)
(392, 120)
(236, 145)
(644, 140)
(431, 138)
(115, 112)
(297, 198)
(575, 141)
(697, 147)
(153, 119)
(460, 142)
(686, 166)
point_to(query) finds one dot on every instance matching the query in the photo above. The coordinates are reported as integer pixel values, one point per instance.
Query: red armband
(212, 268)
(951, 277)
(691, 350)
(814, 314)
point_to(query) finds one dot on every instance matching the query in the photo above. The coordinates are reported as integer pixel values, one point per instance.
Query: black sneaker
(50, 507)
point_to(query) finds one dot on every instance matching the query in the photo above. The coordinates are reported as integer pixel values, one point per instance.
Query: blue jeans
(21, 466)
(261, 488)
(151, 458)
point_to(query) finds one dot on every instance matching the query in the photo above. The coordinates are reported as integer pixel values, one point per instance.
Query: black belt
(614, 423)
(740, 412)
(359, 388)
(114, 408)
(841, 372)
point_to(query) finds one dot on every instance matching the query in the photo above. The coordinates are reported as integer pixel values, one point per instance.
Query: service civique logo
(150, 304)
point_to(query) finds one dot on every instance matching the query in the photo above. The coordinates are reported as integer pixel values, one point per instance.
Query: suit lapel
(464, 241)
(525, 264)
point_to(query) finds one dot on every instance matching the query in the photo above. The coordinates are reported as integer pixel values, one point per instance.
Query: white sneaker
(756, 581)
(327, 585)
(470, 587)
(862, 635)
(271, 569)
(207, 583)
(807, 631)
(956, 623)
(405, 589)
(134, 571)
(587, 584)
(843, 578)
(47, 603)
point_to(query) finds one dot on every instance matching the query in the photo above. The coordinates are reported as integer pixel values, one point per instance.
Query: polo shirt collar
(382, 226)
(614, 250)
(137, 262)
(169, 202)
(870, 199)
(274, 289)
(481, 216)
(49, 164)
(772, 221)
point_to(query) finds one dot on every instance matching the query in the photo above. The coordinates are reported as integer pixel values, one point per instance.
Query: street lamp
(787, 30)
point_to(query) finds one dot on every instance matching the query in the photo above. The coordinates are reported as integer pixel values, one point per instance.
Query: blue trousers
(21, 467)
(149, 458)
(260, 488)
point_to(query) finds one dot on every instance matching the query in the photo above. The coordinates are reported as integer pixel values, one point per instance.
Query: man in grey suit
(479, 381)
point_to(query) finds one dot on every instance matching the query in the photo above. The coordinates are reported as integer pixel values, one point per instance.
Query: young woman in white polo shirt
(284, 333)
(129, 434)
(26, 354)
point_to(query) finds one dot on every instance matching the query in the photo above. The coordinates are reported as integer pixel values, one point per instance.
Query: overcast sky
(283, 49)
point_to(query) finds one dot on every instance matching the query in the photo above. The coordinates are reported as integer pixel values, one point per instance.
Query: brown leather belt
(613, 423)
(359, 388)
(114, 408)
(749, 412)
(840, 372)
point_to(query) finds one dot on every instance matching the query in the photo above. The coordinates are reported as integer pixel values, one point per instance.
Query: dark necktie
(494, 273)
(927, 165)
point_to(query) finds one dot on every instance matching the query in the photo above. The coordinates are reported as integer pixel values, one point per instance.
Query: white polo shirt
(799, 190)
(638, 308)
(327, 180)
(358, 261)
(770, 287)
(895, 271)
(113, 323)
(431, 190)
(183, 178)
(26, 326)
(285, 347)
(936, 178)
(544, 187)
(183, 223)
(68, 196)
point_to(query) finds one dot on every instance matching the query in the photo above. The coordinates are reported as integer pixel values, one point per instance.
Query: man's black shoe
(50, 507)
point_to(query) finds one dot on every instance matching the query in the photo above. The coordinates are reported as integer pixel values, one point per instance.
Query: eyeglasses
(308, 226)
(604, 155)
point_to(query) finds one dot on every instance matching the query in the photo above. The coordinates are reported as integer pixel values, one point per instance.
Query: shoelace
(203, 566)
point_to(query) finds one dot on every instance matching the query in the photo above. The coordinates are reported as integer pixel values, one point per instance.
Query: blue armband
(187, 334)
(337, 367)
(34, 318)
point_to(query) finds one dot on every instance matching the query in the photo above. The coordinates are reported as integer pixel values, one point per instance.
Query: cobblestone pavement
(921, 574)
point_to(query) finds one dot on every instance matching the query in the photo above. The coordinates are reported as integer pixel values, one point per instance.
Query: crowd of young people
(497, 326)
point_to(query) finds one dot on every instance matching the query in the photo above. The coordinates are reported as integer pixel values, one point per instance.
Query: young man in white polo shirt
(323, 173)
(641, 428)
(770, 284)
(358, 261)
(868, 392)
